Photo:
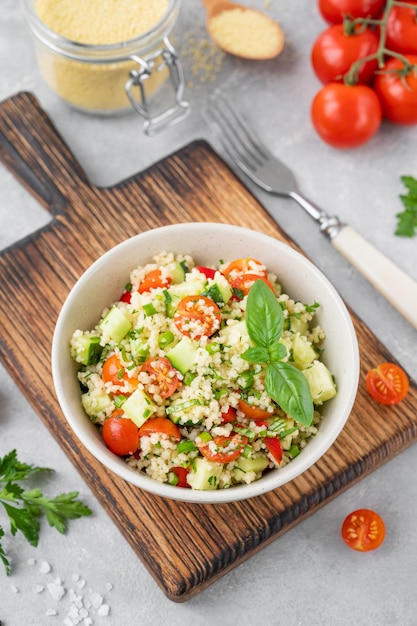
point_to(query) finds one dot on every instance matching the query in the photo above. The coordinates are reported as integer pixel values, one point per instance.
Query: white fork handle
(396, 286)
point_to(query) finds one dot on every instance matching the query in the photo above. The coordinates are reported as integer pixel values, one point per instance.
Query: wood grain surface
(36, 275)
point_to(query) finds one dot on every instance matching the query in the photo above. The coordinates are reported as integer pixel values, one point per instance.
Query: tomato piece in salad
(253, 412)
(197, 316)
(223, 449)
(120, 434)
(273, 445)
(179, 478)
(207, 271)
(247, 265)
(113, 372)
(363, 530)
(153, 280)
(161, 425)
(163, 377)
(387, 383)
(229, 415)
(244, 282)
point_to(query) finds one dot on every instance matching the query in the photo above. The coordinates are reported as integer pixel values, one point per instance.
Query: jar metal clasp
(156, 62)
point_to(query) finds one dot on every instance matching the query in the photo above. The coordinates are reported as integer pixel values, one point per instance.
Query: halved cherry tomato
(229, 415)
(244, 282)
(387, 383)
(153, 280)
(253, 412)
(207, 271)
(113, 372)
(197, 316)
(162, 425)
(245, 266)
(120, 434)
(334, 11)
(273, 445)
(223, 449)
(363, 530)
(162, 375)
(181, 473)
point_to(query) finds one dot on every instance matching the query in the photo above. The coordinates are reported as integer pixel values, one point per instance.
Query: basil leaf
(277, 351)
(256, 355)
(290, 390)
(264, 318)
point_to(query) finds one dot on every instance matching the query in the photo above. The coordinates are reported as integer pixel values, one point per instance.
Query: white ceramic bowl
(102, 284)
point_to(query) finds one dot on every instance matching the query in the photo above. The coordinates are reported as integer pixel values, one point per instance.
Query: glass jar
(113, 78)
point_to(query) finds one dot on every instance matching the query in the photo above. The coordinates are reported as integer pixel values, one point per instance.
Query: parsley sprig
(284, 383)
(25, 507)
(407, 219)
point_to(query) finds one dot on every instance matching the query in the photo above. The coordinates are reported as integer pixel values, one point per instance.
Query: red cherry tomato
(274, 447)
(334, 52)
(346, 116)
(244, 282)
(387, 383)
(229, 415)
(363, 530)
(398, 94)
(245, 266)
(153, 280)
(207, 271)
(126, 297)
(120, 434)
(223, 449)
(161, 425)
(253, 412)
(181, 474)
(197, 316)
(334, 11)
(113, 372)
(162, 375)
(401, 29)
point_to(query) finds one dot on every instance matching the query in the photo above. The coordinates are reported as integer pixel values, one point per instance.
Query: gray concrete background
(307, 577)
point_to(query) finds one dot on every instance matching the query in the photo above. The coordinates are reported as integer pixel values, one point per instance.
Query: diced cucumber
(95, 404)
(180, 411)
(253, 464)
(303, 352)
(183, 355)
(234, 333)
(115, 324)
(321, 382)
(86, 348)
(297, 325)
(205, 474)
(191, 288)
(224, 288)
(176, 272)
(139, 407)
(171, 304)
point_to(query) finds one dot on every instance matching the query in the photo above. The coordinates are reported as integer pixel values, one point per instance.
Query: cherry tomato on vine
(197, 316)
(346, 116)
(401, 29)
(334, 52)
(363, 530)
(153, 280)
(222, 449)
(162, 375)
(161, 425)
(387, 383)
(120, 434)
(398, 92)
(334, 11)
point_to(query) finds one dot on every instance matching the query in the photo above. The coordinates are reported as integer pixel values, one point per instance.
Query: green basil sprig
(284, 383)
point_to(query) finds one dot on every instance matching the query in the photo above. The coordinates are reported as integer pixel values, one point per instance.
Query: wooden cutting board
(36, 276)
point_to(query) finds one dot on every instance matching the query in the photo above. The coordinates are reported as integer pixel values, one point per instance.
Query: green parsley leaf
(407, 219)
(24, 507)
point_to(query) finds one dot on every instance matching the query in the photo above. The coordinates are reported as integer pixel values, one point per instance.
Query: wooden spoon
(242, 31)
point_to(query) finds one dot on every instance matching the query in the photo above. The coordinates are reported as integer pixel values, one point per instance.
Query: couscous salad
(204, 377)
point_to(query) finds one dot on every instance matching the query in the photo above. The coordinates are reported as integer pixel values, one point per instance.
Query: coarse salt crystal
(96, 600)
(14, 589)
(50, 612)
(39, 588)
(45, 567)
(103, 610)
(31, 561)
(56, 591)
(81, 583)
(88, 621)
(109, 586)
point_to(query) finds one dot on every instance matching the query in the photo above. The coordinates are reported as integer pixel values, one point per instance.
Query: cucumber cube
(183, 355)
(205, 474)
(321, 382)
(139, 407)
(115, 324)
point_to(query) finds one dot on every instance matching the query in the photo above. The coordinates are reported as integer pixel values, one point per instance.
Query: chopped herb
(311, 308)
(407, 219)
(186, 446)
(24, 508)
(149, 309)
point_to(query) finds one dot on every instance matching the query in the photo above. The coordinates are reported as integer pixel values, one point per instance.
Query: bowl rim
(271, 480)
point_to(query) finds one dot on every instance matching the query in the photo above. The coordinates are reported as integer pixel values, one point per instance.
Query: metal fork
(249, 155)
